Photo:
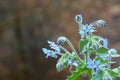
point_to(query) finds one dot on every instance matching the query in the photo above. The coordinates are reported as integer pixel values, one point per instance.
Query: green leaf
(82, 44)
(106, 74)
(62, 62)
(102, 52)
(112, 73)
(94, 39)
(115, 55)
(117, 70)
(97, 76)
(76, 74)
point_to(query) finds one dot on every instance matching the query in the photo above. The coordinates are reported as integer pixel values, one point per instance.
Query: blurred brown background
(26, 25)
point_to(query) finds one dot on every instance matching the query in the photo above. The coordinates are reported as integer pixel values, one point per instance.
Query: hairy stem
(72, 47)
(109, 62)
(64, 49)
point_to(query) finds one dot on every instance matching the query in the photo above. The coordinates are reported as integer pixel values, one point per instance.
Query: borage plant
(97, 67)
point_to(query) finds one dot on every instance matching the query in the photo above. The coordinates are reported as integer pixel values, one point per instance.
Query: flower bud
(101, 41)
(100, 23)
(61, 40)
(78, 19)
(112, 51)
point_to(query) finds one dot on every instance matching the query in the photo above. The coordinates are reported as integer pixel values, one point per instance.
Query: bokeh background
(26, 25)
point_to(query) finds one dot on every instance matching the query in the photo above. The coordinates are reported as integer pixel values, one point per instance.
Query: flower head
(54, 46)
(86, 29)
(93, 65)
(49, 53)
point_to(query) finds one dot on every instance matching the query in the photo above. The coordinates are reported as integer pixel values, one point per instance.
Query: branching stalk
(72, 47)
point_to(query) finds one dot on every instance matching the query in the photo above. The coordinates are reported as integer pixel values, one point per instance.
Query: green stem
(72, 47)
(86, 56)
(109, 62)
(80, 25)
(64, 49)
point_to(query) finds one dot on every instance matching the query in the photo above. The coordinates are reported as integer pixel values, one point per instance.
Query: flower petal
(97, 62)
(106, 42)
(54, 46)
(89, 66)
(49, 53)
(90, 63)
(81, 32)
(83, 27)
(90, 26)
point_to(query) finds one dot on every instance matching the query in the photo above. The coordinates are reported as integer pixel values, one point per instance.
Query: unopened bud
(61, 40)
(101, 41)
(100, 23)
(78, 19)
(112, 51)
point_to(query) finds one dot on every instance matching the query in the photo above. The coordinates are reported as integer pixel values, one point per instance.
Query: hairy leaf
(97, 76)
(62, 62)
(102, 52)
(75, 75)
(82, 44)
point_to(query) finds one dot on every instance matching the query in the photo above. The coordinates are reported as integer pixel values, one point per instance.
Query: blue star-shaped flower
(86, 29)
(93, 65)
(54, 46)
(49, 53)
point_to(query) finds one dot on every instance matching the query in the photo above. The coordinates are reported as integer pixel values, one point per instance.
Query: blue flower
(105, 42)
(93, 65)
(54, 46)
(86, 29)
(49, 53)
(73, 63)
